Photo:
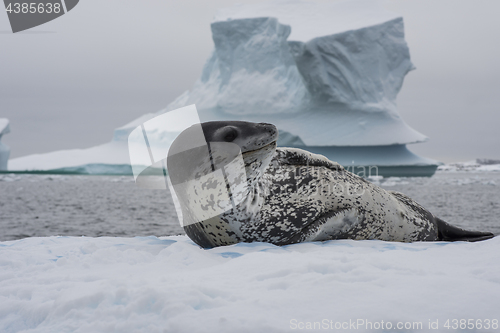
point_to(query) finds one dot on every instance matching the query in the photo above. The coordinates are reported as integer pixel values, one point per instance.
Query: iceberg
(327, 75)
(4, 149)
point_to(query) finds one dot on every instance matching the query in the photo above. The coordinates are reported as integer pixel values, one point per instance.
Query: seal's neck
(257, 161)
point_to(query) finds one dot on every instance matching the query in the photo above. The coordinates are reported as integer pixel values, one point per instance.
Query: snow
(168, 284)
(4, 149)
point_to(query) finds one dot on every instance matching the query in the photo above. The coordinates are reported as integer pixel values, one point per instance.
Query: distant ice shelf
(477, 165)
(4, 149)
(327, 75)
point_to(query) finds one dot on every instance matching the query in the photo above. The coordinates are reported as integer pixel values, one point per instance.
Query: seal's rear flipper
(449, 233)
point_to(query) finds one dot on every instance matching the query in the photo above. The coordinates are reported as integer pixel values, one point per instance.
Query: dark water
(41, 205)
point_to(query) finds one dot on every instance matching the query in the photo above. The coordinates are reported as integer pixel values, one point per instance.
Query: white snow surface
(4, 149)
(169, 284)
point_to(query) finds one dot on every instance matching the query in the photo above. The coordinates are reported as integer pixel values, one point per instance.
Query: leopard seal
(294, 196)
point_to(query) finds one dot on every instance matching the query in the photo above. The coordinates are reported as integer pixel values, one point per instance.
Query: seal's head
(248, 136)
(256, 141)
(195, 151)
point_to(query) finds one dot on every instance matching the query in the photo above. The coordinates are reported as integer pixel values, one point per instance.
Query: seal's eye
(230, 134)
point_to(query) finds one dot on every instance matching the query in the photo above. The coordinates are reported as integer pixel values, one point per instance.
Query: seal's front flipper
(296, 156)
(449, 233)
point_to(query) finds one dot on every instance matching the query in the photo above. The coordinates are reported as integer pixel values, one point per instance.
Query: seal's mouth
(272, 143)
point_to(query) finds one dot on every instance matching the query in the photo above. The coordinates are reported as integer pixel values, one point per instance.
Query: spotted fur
(296, 196)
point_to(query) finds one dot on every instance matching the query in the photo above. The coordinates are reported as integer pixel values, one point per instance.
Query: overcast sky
(70, 82)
